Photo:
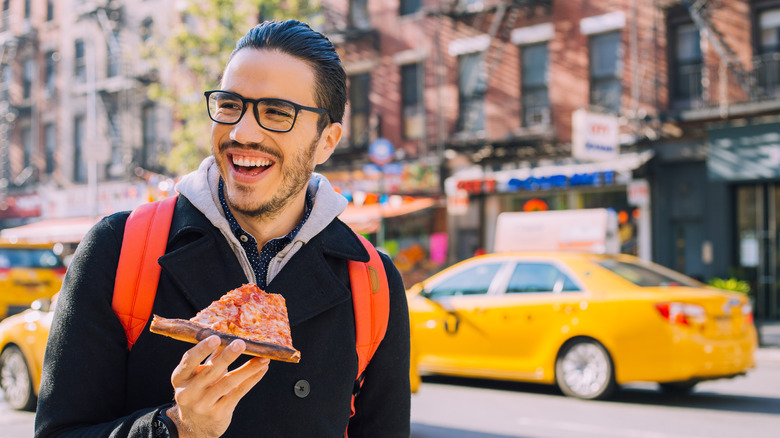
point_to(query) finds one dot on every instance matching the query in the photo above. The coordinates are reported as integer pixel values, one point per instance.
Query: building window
(50, 142)
(27, 9)
(359, 122)
(767, 64)
(606, 71)
(412, 107)
(114, 57)
(408, 7)
(471, 92)
(50, 10)
(149, 152)
(687, 64)
(146, 29)
(28, 77)
(27, 146)
(5, 15)
(79, 154)
(358, 14)
(534, 85)
(79, 62)
(471, 6)
(50, 74)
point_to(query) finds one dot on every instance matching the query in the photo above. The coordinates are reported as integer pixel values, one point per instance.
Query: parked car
(22, 344)
(585, 322)
(27, 272)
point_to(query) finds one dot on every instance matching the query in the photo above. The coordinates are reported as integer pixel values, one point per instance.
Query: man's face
(265, 172)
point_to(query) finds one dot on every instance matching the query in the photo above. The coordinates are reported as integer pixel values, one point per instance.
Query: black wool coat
(93, 386)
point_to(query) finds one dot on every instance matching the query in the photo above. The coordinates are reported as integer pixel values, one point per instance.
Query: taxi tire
(580, 358)
(15, 380)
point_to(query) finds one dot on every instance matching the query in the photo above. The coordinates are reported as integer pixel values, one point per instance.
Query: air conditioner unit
(537, 116)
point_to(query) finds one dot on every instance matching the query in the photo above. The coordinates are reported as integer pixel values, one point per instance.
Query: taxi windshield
(29, 258)
(646, 276)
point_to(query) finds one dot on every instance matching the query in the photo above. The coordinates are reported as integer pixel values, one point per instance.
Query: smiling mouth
(250, 166)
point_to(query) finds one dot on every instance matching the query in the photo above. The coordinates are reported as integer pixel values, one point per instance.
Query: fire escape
(700, 12)
(109, 96)
(496, 19)
(12, 42)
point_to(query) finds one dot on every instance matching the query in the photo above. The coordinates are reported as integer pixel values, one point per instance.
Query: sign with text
(595, 137)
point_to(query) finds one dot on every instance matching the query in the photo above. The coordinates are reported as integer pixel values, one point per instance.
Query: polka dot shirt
(260, 261)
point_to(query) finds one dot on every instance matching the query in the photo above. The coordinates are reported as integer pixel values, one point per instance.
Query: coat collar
(201, 265)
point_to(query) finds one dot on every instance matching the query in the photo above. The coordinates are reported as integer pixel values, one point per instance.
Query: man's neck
(265, 228)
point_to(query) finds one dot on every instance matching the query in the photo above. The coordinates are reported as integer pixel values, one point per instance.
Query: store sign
(595, 137)
(21, 206)
(530, 184)
(638, 192)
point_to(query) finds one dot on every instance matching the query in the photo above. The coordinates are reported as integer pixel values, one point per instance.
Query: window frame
(414, 105)
(360, 106)
(614, 76)
(528, 110)
(677, 100)
(468, 99)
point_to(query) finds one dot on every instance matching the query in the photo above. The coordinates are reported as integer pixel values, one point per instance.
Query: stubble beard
(294, 180)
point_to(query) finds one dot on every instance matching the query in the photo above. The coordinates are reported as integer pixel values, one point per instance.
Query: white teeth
(247, 162)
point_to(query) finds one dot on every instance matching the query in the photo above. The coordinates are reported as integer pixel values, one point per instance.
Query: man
(253, 212)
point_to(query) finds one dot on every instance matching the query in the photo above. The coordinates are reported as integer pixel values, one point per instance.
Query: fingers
(237, 383)
(192, 359)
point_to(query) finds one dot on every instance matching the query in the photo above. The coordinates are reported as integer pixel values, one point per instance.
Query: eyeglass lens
(272, 114)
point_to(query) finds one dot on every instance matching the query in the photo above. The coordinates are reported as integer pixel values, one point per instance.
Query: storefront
(745, 162)
(478, 196)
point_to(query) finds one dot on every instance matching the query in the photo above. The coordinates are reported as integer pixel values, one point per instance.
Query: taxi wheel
(584, 370)
(15, 380)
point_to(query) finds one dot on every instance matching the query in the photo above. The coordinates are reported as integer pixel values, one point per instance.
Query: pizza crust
(188, 331)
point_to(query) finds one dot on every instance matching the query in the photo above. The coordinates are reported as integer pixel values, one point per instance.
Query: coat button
(302, 388)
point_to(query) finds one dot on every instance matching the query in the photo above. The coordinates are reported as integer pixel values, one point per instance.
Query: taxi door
(450, 329)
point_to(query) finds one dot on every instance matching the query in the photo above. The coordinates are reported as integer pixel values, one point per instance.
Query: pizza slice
(248, 313)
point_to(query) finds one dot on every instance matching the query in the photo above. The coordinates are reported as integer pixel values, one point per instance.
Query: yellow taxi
(27, 272)
(22, 343)
(587, 323)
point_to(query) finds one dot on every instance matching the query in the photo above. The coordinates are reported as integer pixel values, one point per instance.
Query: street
(463, 408)
(460, 408)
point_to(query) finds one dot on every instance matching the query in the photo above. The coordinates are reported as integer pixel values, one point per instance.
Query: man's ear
(328, 140)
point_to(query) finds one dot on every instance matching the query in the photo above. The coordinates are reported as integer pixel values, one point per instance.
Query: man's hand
(207, 394)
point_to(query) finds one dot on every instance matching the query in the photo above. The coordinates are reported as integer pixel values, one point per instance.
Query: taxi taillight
(747, 312)
(60, 272)
(681, 313)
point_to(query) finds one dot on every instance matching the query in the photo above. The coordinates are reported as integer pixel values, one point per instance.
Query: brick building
(665, 111)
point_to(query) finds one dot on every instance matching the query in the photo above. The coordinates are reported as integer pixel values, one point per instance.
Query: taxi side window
(471, 281)
(539, 277)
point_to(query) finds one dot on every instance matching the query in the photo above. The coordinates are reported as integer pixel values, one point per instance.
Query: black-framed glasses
(277, 115)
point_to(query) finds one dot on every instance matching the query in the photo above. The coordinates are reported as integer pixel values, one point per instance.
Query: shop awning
(367, 219)
(66, 230)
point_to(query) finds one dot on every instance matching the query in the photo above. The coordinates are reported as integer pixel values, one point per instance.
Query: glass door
(758, 217)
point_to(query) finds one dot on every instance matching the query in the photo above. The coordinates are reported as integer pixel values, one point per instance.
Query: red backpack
(138, 273)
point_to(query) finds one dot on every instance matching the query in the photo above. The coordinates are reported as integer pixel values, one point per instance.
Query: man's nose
(247, 130)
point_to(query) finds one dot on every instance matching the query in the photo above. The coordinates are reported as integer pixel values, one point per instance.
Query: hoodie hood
(201, 187)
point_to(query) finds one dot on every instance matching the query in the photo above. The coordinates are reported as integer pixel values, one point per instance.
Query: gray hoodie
(201, 188)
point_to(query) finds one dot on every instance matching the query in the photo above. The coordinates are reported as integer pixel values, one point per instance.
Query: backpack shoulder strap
(138, 273)
(371, 301)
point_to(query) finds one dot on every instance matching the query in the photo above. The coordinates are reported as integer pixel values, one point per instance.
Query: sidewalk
(769, 341)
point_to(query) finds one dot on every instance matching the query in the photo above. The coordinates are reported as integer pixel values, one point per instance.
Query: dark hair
(301, 41)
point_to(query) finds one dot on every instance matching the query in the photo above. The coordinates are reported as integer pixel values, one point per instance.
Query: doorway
(757, 222)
